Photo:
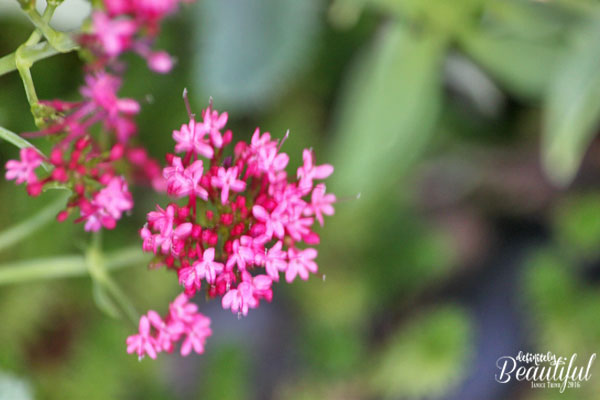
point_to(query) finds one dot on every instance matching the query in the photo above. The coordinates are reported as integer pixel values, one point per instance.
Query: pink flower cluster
(94, 149)
(157, 334)
(244, 221)
(130, 25)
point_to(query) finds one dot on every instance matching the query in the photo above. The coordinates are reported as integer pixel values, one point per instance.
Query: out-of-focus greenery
(451, 119)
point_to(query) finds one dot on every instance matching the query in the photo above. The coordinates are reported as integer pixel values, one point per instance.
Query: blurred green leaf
(250, 50)
(425, 358)
(388, 112)
(528, 19)
(564, 309)
(524, 67)
(577, 224)
(572, 108)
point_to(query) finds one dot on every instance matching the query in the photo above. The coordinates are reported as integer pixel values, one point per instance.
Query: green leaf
(104, 301)
(388, 112)
(524, 67)
(425, 358)
(577, 224)
(249, 50)
(572, 108)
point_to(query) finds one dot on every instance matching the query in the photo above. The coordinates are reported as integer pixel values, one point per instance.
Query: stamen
(345, 199)
(282, 141)
(186, 100)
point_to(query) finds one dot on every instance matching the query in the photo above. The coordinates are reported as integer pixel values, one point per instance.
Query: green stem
(67, 266)
(24, 68)
(59, 40)
(15, 139)
(97, 269)
(21, 143)
(22, 230)
(121, 298)
(33, 53)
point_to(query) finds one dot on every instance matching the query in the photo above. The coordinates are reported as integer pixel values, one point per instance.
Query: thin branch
(22, 230)
(67, 266)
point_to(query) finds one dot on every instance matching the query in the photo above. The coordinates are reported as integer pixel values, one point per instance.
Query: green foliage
(246, 64)
(576, 225)
(564, 313)
(573, 107)
(525, 67)
(425, 358)
(390, 108)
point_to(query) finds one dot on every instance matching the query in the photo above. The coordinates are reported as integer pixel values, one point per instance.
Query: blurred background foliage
(468, 128)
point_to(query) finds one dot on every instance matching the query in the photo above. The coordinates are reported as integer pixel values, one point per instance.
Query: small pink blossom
(275, 261)
(240, 255)
(115, 198)
(142, 343)
(247, 294)
(320, 203)
(300, 263)
(115, 35)
(191, 277)
(185, 181)
(23, 170)
(227, 179)
(273, 221)
(308, 172)
(196, 334)
(212, 123)
(160, 61)
(191, 138)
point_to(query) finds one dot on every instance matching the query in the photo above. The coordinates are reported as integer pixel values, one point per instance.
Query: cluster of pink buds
(94, 149)
(244, 222)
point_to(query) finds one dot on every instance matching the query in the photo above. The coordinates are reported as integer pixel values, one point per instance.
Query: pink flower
(300, 263)
(272, 221)
(308, 171)
(183, 320)
(271, 162)
(190, 277)
(168, 332)
(102, 88)
(207, 268)
(226, 180)
(153, 10)
(246, 295)
(212, 124)
(185, 181)
(197, 332)
(181, 310)
(115, 198)
(23, 170)
(275, 261)
(240, 255)
(168, 236)
(160, 61)
(142, 343)
(191, 138)
(115, 35)
(320, 203)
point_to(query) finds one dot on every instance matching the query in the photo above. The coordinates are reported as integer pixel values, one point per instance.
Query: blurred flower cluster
(93, 148)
